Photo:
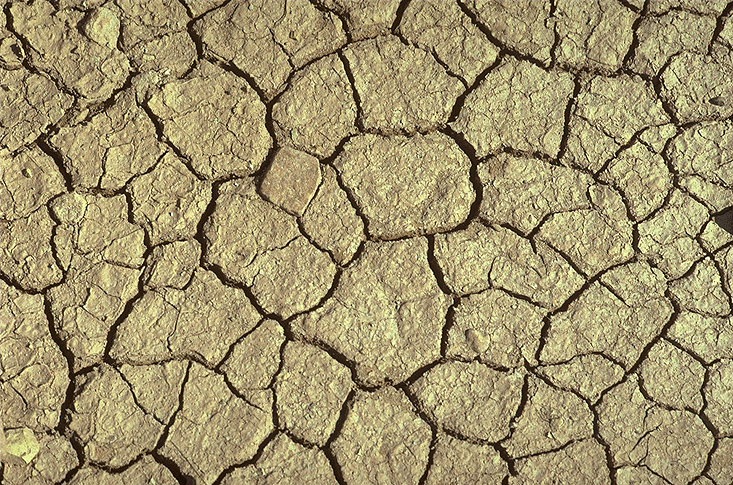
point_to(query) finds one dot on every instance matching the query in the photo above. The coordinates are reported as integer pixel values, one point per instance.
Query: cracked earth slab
(366, 242)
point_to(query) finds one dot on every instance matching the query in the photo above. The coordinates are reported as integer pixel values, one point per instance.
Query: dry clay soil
(366, 242)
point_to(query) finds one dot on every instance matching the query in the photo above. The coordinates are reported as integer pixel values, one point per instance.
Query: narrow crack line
(340, 15)
(42, 143)
(569, 110)
(338, 427)
(634, 33)
(359, 121)
(399, 14)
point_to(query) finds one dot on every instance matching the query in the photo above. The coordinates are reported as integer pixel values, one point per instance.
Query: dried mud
(366, 242)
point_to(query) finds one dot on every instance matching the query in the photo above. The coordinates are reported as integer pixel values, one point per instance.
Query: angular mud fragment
(33, 372)
(480, 257)
(642, 177)
(594, 35)
(607, 114)
(718, 393)
(102, 26)
(203, 320)
(690, 80)
(517, 105)
(707, 337)
(254, 360)
(154, 36)
(283, 461)
(638, 431)
(147, 471)
(499, 329)
(31, 103)
(461, 463)
(442, 28)
(156, 387)
(291, 180)
(382, 440)
(209, 435)
(267, 40)
(317, 110)
(93, 71)
(331, 222)
(549, 420)
(522, 191)
(619, 323)
(522, 25)
(172, 264)
(108, 421)
(259, 245)
(364, 18)
(407, 186)
(401, 88)
(637, 475)
(662, 37)
(215, 119)
(588, 375)
(310, 389)
(701, 155)
(55, 459)
(582, 462)
(471, 400)
(26, 257)
(385, 315)
(27, 181)
(96, 226)
(701, 291)
(169, 201)
(668, 238)
(110, 148)
(671, 377)
(594, 239)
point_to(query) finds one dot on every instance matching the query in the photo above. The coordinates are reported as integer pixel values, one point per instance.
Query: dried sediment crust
(91, 70)
(407, 186)
(401, 88)
(517, 105)
(385, 314)
(310, 389)
(284, 461)
(252, 241)
(364, 18)
(382, 440)
(478, 257)
(267, 40)
(210, 435)
(318, 109)
(147, 470)
(110, 148)
(442, 28)
(463, 463)
(220, 138)
(619, 323)
(28, 180)
(471, 400)
(33, 374)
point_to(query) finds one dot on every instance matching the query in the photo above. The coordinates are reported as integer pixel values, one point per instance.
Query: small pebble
(717, 101)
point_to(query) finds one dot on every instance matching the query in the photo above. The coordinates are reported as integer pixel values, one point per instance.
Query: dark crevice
(572, 102)
(399, 15)
(461, 100)
(344, 414)
(504, 49)
(435, 266)
(719, 25)
(357, 99)
(42, 143)
(449, 322)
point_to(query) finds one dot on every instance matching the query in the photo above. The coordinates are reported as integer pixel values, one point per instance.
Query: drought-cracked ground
(366, 242)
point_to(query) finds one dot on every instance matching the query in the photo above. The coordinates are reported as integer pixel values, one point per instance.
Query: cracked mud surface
(366, 242)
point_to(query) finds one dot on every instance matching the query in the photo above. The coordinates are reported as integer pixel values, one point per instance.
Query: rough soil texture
(354, 242)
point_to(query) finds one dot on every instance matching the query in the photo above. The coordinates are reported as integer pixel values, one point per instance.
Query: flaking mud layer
(366, 242)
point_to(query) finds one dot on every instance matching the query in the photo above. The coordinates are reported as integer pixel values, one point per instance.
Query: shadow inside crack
(725, 220)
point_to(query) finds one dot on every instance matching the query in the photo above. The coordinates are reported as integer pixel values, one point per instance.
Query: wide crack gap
(719, 25)
(359, 121)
